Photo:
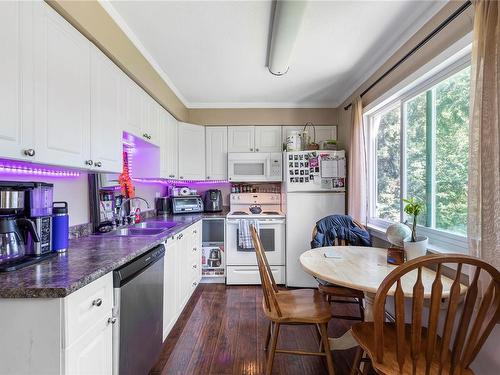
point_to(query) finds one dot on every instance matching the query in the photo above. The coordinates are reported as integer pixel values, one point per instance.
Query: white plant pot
(416, 249)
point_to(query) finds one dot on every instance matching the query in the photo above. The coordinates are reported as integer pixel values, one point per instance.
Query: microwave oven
(254, 166)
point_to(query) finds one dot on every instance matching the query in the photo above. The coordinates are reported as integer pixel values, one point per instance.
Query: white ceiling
(213, 53)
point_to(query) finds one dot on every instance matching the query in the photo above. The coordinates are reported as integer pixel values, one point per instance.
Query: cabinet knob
(208, 177)
(251, 149)
(29, 152)
(89, 162)
(256, 149)
(195, 283)
(145, 135)
(97, 302)
(181, 177)
(98, 164)
(180, 236)
(112, 320)
(195, 266)
(194, 249)
(171, 175)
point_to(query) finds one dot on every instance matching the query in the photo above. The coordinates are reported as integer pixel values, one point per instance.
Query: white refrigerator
(314, 188)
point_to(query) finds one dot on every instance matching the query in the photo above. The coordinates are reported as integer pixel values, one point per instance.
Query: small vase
(416, 249)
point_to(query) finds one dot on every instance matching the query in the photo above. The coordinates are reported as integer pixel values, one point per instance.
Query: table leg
(347, 341)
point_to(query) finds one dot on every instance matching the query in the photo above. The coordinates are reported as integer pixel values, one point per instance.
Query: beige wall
(264, 116)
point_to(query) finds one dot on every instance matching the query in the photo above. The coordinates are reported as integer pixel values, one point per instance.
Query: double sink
(148, 228)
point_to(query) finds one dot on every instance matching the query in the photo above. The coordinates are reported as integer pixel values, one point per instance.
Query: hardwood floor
(222, 331)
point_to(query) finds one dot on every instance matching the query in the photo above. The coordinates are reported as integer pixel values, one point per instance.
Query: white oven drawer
(249, 275)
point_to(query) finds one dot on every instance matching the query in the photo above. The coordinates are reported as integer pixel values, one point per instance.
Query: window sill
(379, 232)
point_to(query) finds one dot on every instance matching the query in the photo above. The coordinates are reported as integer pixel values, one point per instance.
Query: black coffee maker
(17, 233)
(213, 200)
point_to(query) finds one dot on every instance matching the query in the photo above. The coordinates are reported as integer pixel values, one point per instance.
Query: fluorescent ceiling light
(288, 15)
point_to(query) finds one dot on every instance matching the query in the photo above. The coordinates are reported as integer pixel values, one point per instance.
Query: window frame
(439, 240)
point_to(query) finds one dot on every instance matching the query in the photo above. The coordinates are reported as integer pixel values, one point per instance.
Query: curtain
(484, 151)
(357, 198)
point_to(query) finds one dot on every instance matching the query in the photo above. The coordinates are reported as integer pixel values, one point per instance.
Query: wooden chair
(290, 307)
(332, 291)
(399, 348)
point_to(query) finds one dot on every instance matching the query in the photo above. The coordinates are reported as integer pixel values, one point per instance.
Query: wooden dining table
(364, 269)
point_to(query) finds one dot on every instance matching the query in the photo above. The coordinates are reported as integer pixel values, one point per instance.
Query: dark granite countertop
(86, 260)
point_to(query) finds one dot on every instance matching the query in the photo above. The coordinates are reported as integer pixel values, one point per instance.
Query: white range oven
(241, 263)
(254, 166)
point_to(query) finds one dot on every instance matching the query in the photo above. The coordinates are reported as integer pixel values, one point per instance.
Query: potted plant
(417, 246)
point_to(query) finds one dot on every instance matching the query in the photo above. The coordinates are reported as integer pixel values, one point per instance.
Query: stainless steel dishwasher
(138, 313)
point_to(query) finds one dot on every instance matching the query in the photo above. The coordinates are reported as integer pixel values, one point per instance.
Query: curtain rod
(433, 33)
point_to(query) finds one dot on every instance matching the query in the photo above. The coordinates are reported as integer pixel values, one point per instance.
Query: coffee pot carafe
(13, 235)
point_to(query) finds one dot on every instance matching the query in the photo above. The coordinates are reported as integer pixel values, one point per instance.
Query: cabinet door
(170, 289)
(105, 123)
(62, 90)
(191, 151)
(216, 152)
(324, 133)
(16, 131)
(133, 107)
(172, 152)
(92, 353)
(240, 138)
(268, 139)
(150, 119)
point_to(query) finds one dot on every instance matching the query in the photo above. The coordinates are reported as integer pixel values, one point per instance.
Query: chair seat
(340, 291)
(364, 335)
(300, 306)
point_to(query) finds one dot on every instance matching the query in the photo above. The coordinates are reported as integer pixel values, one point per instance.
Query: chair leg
(270, 355)
(268, 335)
(318, 335)
(326, 346)
(357, 361)
(361, 310)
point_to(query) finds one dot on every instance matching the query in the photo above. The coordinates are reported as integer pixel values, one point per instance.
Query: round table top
(363, 268)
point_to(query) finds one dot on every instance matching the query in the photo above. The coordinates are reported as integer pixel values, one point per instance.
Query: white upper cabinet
(216, 152)
(241, 138)
(150, 119)
(191, 151)
(106, 114)
(16, 130)
(167, 134)
(254, 139)
(62, 90)
(133, 107)
(268, 139)
(323, 132)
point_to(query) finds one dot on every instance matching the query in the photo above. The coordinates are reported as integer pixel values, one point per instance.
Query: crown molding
(256, 105)
(374, 64)
(113, 13)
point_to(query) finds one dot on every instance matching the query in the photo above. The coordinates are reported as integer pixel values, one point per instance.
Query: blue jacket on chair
(339, 227)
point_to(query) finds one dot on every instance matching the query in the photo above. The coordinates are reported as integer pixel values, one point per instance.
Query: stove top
(267, 214)
(268, 203)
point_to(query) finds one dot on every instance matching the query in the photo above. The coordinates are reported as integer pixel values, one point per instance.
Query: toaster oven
(186, 204)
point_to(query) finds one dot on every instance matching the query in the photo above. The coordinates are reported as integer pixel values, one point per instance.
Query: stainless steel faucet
(124, 202)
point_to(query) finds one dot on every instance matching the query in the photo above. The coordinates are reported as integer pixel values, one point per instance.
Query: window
(419, 148)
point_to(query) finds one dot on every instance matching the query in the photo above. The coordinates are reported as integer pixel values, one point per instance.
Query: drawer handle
(194, 249)
(195, 266)
(180, 236)
(112, 320)
(97, 302)
(195, 231)
(195, 283)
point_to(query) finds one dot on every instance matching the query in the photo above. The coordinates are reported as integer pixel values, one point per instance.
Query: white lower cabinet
(71, 335)
(182, 273)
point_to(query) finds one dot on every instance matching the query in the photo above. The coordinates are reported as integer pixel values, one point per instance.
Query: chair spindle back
(269, 287)
(453, 351)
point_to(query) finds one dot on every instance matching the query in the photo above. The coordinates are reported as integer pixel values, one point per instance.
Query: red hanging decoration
(126, 184)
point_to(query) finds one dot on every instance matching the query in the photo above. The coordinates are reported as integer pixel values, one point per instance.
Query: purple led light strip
(174, 182)
(25, 168)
